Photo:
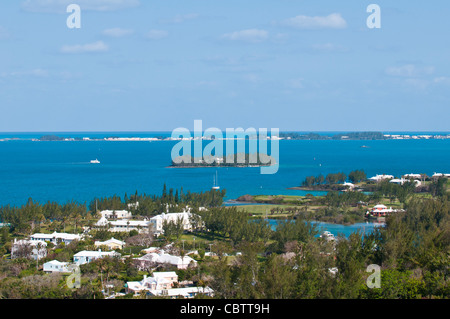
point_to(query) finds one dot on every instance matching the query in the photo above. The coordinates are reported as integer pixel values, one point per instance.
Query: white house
(378, 178)
(56, 266)
(115, 214)
(159, 281)
(382, 211)
(415, 176)
(86, 256)
(151, 250)
(333, 271)
(149, 259)
(111, 243)
(401, 181)
(123, 225)
(157, 221)
(55, 238)
(349, 185)
(437, 175)
(35, 249)
(129, 225)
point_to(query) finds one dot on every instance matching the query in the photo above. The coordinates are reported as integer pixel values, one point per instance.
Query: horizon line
(281, 131)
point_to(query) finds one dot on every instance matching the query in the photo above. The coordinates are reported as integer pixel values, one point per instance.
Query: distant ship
(96, 161)
(215, 185)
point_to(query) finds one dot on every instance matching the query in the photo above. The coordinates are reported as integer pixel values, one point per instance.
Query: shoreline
(284, 135)
(236, 203)
(219, 166)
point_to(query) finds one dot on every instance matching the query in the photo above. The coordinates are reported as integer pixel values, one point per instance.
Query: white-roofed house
(111, 244)
(126, 225)
(55, 238)
(103, 221)
(437, 175)
(86, 256)
(158, 221)
(399, 181)
(151, 250)
(381, 211)
(34, 249)
(115, 214)
(56, 266)
(349, 185)
(378, 178)
(159, 281)
(408, 176)
(150, 259)
(178, 261)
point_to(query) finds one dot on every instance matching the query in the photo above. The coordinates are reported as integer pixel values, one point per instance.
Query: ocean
(61, 171)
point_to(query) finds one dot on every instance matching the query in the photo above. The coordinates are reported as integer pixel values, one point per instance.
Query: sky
(147, 65)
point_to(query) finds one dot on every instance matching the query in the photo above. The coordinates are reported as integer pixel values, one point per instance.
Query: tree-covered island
(230, 160)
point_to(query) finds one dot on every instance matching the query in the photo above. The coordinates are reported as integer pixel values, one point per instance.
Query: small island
(231, 160)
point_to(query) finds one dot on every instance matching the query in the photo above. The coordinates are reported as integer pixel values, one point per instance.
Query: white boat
(96, 161)
(216, 186)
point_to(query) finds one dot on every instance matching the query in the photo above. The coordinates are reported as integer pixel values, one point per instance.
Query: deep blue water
(60, 171)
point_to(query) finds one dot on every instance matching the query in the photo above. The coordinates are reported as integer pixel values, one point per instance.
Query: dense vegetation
(249, 259)
(412, 251)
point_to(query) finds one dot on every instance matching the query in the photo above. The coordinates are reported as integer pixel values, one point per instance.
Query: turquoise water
(60, 171)
(338, 230)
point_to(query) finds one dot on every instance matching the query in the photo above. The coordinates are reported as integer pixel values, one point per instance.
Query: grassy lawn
(262, 210)
(284, 199)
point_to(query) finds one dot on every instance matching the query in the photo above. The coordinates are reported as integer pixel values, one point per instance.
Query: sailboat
(96, 161)
(216, 184)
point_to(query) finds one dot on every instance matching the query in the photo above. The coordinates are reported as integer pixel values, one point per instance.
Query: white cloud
(409, 71)
(296, 84)
(156, 34)
(328, 47)
(117, 32)
(250, 35)
(416, 83)
(180, 18)
(59, 6)
(38, 72)
(98, 46)
(442, 80)
(332, 21)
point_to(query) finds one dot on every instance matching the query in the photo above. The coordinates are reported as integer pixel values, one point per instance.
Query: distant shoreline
(161, 136)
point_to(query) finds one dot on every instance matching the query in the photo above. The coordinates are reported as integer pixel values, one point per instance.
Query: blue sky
(139, 65)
